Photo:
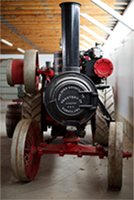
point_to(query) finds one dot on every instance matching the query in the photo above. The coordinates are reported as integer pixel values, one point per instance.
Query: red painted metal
(47, 72)
(31, 155)
(72, 148)
(17, 71)
(17, 100)
(70, 136)
(37, 83)
(87, 58)
(49, 119)
(48, 79)
(127, 154)
(103, 68)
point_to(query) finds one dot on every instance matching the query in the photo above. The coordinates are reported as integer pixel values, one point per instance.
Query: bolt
(61, 152)
(40, 152)
(101, 156)
(43, 144)
(79, 153)
(69, 144)
(98, 147)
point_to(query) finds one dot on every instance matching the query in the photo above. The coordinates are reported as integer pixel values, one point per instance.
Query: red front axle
(73, 148)
(69, 148)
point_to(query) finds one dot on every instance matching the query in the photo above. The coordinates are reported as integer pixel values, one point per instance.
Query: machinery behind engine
(94, 66)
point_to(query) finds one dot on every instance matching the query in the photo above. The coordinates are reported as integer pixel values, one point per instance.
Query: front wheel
(25, 159)
(115, 155)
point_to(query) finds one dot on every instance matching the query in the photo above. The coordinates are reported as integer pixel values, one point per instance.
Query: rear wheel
(32, 106)
(102, 129)
(109, 101)
(115, 155)
(25, 159)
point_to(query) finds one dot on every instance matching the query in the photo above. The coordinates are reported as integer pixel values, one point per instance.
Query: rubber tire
(32, 106)
(102, 129)
(115, 155)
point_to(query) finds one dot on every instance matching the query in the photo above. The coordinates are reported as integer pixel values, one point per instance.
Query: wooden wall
(6, 92)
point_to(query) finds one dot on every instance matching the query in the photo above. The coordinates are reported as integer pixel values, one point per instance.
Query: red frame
(71, 147)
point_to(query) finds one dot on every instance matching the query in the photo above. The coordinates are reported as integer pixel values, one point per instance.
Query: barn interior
(37, 25)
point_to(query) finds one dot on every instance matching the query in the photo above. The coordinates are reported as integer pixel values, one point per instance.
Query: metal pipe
(70, 35)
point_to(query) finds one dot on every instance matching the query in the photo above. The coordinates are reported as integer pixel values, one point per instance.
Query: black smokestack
(70, 35)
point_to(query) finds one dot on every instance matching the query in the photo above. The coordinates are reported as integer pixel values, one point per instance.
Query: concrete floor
(65, 177)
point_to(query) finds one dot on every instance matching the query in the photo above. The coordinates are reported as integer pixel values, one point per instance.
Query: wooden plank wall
(6, 92)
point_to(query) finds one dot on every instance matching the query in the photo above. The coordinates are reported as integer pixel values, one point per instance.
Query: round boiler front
(71, 98)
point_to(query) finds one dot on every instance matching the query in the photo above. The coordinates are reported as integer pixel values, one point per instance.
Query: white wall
(45, 57)
(6, 92)
(42, 57)
(119, 48)
(123, 77)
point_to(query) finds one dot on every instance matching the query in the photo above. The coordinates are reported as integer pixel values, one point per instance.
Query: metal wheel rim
(25, 159)
(115, 155)
(30, 65)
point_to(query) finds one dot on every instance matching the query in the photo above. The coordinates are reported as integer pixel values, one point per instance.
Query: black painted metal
(57, 63)
(106, 114)
(71, 98)
(102, 87)
(48, 64)
(70, 35)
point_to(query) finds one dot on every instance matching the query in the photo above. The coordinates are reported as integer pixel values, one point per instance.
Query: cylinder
(13, 116)
(58, 62)
(70, 35)
(14, 71)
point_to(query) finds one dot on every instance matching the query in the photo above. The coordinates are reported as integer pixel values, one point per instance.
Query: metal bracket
(106, 114)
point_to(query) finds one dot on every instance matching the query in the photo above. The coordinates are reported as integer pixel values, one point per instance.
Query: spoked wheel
(115, 155)
(25, 159)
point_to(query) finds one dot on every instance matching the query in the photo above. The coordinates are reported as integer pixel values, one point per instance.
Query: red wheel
(25, 159)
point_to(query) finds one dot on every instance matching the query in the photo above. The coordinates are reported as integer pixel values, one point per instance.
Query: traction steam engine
(68, 99)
